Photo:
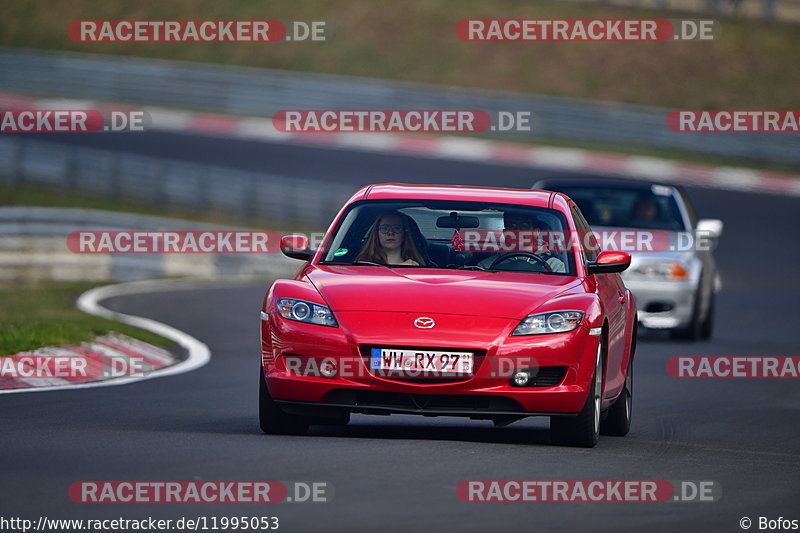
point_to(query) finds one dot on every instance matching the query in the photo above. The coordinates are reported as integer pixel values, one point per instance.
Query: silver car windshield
(654, 208)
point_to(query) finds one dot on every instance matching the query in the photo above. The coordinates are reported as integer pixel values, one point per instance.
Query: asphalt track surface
(400, 472)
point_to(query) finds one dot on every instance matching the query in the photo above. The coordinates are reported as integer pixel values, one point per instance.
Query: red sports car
(486, 303)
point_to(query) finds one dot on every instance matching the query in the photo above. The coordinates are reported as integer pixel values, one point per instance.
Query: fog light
(328, 368)
(520, 378)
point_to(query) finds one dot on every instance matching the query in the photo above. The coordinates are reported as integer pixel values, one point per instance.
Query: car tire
(694, 330)
(618, 420)
(707, 328)
(273, 420)
(582, 430)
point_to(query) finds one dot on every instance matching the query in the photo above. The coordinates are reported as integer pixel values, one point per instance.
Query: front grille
(548, 376)
(659, 307)
(422, 402)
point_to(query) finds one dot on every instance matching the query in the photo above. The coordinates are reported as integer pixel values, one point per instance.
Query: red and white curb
(447, 147)
(96, 359)
(101, 353)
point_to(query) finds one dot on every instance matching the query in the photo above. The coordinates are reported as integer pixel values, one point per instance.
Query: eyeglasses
(395, 228)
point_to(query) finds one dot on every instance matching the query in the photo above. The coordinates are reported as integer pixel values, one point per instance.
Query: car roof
(592, 181)
(400, 191)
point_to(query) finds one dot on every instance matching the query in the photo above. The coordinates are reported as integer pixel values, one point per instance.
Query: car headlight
(662, 271)
(309, 312)
(553, 322)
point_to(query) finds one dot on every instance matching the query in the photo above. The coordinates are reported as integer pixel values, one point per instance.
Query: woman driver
(389, 242)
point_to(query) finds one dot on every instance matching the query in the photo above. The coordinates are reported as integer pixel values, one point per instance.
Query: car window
(453, 234)
(651, 208)
(687, 204)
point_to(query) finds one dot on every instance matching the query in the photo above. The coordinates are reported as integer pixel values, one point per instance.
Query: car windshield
(452, 235)
(652, 208)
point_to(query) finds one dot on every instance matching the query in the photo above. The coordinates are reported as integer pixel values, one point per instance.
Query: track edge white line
(89, 302)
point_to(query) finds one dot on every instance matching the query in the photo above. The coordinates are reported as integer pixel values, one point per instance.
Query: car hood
(426, 290)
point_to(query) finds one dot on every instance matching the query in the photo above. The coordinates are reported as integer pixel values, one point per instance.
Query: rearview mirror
(296, 247)
(609, 262)
(454, 221)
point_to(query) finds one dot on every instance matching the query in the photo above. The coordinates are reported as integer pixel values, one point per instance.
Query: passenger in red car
(390, 243)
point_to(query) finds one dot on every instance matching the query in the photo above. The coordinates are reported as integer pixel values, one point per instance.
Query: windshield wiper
(362, 262)
(347, 263)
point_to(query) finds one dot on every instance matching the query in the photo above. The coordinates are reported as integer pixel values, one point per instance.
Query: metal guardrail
(33, 247)
(262, 92)
(282, 201)
(780, 10)
(33, 240)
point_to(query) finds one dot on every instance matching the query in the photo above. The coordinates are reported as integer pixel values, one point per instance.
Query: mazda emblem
(424, 322)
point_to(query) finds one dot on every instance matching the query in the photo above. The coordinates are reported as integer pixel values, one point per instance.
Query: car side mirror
(709, 228)
(296, 247)
(609, 262)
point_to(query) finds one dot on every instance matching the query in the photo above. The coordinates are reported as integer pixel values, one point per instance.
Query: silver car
(675, 279)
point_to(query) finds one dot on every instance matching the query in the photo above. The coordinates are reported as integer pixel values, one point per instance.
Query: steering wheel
(509, 255)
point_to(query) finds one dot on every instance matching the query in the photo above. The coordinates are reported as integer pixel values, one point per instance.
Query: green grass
(45, 315)
(752, 66)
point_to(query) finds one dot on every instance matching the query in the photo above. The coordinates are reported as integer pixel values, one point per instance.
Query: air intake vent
(548, 376)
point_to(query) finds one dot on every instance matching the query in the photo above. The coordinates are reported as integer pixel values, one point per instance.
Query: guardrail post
(769, 9)
(203, 195)
(251, 196)
(116, 186)
(70, 171)
(159, 192)
(18, 174)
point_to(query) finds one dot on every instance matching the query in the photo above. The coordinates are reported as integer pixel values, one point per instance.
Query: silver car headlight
(667, 270)
(552, 322)
(309, 312)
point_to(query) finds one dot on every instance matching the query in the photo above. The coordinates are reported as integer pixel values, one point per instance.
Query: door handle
(621, 298)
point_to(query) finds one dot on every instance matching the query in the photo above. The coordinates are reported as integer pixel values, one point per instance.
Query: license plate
(422, 361)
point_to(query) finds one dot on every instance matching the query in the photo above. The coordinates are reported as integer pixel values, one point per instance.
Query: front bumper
(664, 304)
(487, 393)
